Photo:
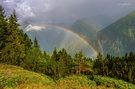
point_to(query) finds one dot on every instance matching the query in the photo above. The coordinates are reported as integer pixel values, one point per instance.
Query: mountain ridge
(119, 37)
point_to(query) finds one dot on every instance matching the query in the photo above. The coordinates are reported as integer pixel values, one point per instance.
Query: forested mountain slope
(119, 37)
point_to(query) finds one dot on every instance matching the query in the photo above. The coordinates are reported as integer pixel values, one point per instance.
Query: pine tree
(46, 56)
(55, 55)
(3, 30)
(65, 62)
(35, 59)
(14, 51)
(26, 40)
(36, 45)
(83, 64)
(99, 65)
(79, 65)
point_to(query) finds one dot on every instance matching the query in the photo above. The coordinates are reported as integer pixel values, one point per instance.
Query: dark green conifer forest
(16, 48)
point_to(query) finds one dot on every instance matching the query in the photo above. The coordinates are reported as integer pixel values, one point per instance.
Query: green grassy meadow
(13, 77)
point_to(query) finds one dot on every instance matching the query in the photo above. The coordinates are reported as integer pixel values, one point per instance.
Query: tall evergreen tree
(3, 29)
(36, 45)
(99, 65)
(14, 51)
(79, 62)
(83, 65)
(54, 56)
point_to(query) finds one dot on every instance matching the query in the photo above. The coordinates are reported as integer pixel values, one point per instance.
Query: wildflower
(8, 73)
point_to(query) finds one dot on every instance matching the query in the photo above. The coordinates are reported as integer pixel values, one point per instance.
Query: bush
(111, 82)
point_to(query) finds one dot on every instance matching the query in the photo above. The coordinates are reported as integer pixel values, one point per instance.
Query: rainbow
(91, 26)
(71, 32)
(96, 29)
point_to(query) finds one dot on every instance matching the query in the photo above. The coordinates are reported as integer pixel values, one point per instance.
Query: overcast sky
(47, 10)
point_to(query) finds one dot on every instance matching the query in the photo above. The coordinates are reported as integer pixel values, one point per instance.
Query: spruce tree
(14, 50)
(36, 45)
(99, 65)
(3, 30)
(54, 56)
(34, 56)
(79, 62)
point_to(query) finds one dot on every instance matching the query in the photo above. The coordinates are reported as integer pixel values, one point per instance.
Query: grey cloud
(40, 10)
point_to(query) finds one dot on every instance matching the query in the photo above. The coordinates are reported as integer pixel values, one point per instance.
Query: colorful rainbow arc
(69, 31)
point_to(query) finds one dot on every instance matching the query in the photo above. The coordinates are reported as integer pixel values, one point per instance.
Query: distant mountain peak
(31, 27)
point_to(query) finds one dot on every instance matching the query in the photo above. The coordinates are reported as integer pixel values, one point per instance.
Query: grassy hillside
(112, 82)
(13, 77)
